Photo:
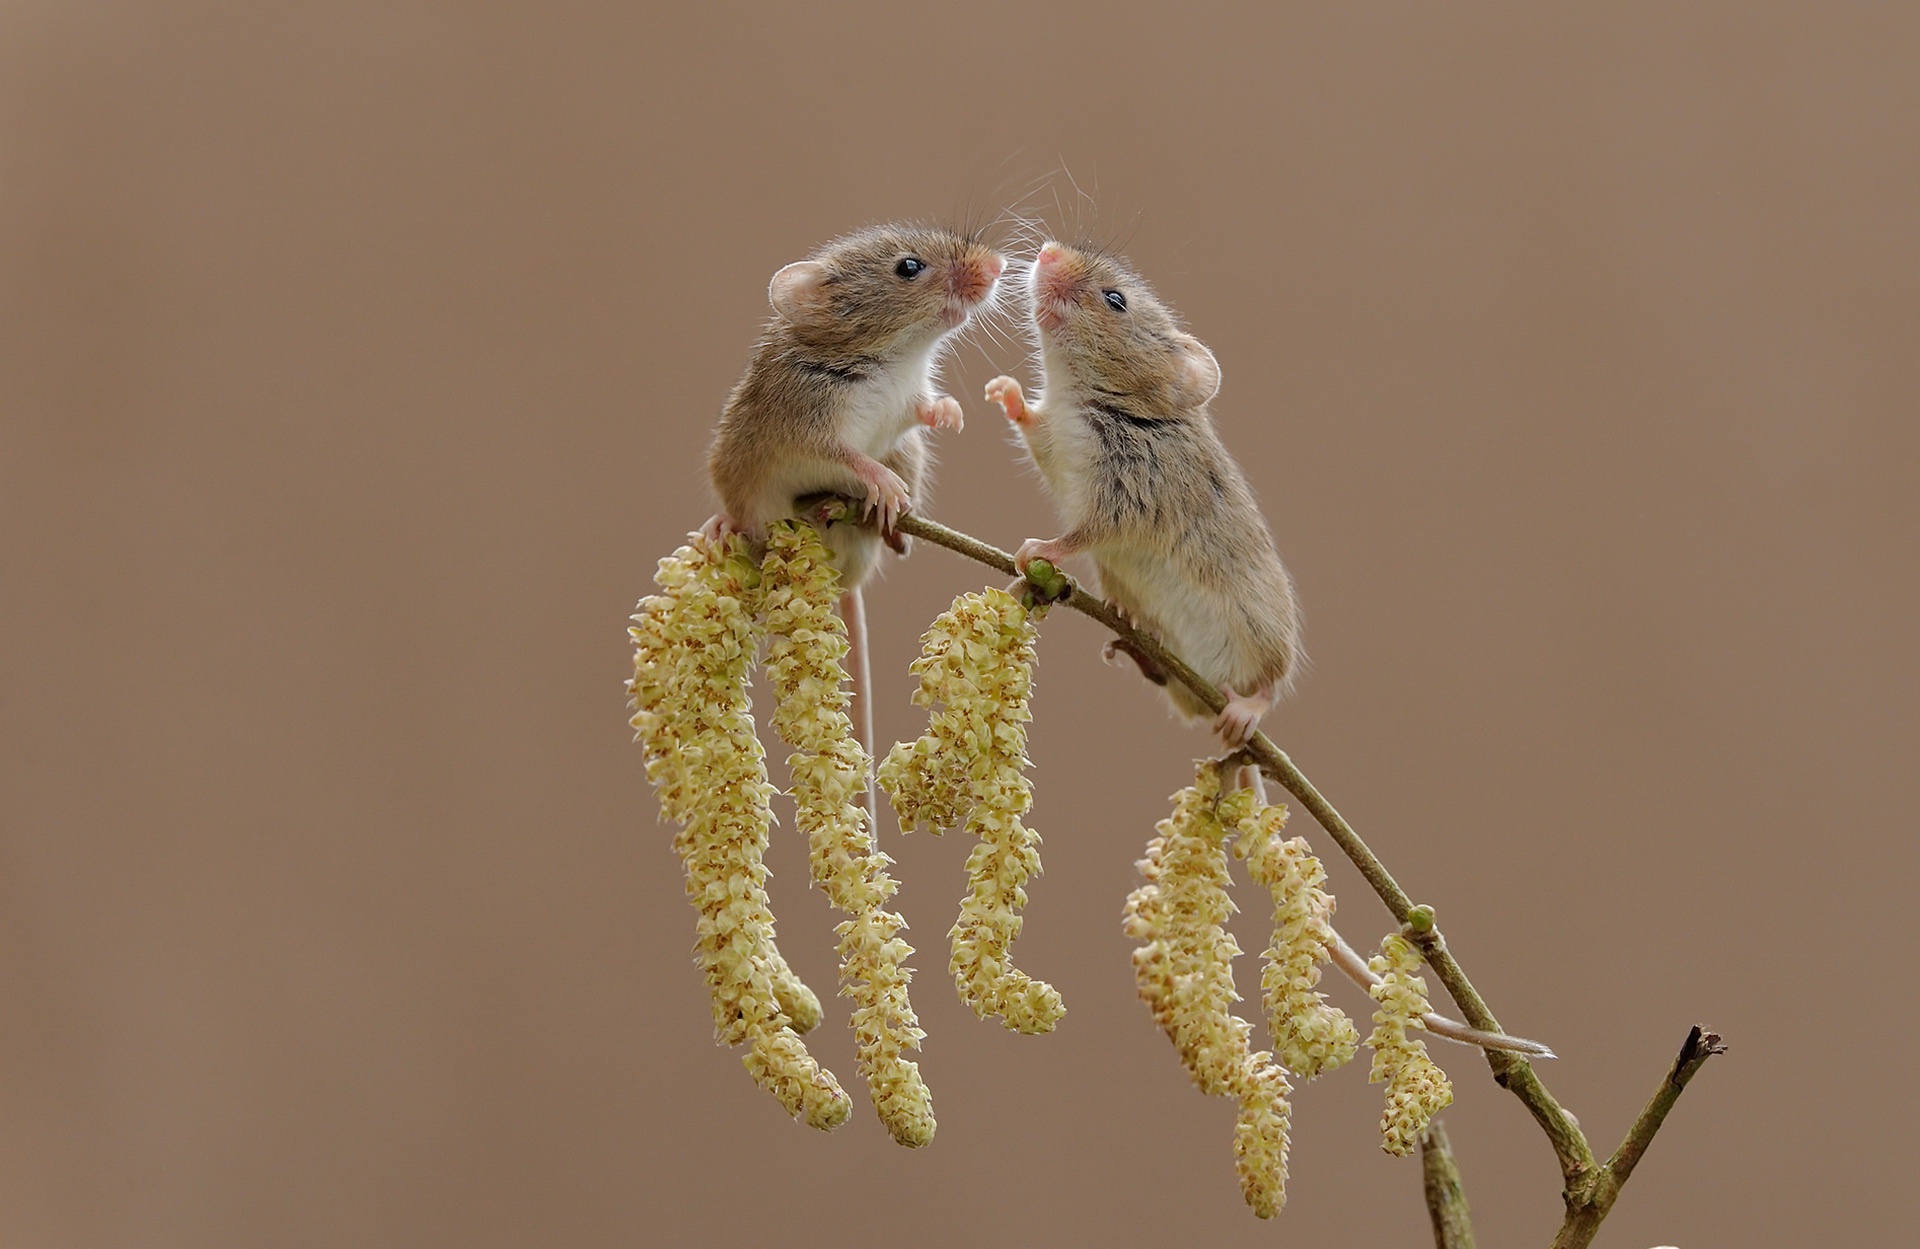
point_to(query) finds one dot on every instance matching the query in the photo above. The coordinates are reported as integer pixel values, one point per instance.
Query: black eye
(1115, 300)
(910, 267)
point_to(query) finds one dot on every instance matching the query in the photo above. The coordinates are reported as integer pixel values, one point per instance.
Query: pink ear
(796, 292)
(1199, 372)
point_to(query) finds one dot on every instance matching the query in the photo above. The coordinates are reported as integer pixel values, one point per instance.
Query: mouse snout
(1057, 284)
(972, 277)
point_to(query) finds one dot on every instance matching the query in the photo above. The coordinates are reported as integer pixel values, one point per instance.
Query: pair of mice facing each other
(840, 398)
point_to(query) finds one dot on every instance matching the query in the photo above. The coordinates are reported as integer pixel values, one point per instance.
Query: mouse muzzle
(1058, 283)
(970, 280)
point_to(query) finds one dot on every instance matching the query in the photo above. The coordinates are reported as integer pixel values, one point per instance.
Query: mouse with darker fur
(1124, 440)
(839, 396)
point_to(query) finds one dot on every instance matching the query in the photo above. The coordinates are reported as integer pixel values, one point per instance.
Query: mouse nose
(1050, 253)
(994, 264)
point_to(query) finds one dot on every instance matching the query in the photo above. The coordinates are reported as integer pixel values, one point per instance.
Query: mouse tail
(1350, 961)
(853, 610)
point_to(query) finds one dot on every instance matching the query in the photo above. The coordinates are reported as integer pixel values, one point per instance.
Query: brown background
(356, 366)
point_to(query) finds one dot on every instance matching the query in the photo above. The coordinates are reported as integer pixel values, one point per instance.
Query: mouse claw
(1006, 392)
(940, 412)
(887, 497)
(718, 528)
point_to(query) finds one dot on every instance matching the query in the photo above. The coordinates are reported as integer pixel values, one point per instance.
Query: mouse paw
(1240, 719)
(887, 496)
(940, 412)
(1006, 392)
(719, 527)
(1053, 551)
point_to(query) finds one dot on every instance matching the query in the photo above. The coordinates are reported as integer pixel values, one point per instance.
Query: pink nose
(1050, 254)
(994, 265)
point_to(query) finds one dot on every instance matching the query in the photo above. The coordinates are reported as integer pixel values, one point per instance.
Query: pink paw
(887, 497)
(1240, 719)
(719, 527)
(1039, 548)
(1006, 392)
(942, 412)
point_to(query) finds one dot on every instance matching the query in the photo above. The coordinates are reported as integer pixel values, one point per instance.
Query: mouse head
(885, 292)
(1104, 331)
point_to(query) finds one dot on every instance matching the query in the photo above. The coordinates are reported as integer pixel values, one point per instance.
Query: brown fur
(1125, 442)
(862, 336)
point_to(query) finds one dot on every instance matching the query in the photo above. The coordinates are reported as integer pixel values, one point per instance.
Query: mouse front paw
(887, 496)
(1053, 551)
(940, 412)
(1006, 392)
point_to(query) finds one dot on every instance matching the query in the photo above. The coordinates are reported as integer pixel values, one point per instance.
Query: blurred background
(356, 365)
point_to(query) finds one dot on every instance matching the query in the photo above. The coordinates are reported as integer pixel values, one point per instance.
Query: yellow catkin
(1310, 1035)
(806, 649)
(1184, 970)
(693, 652)
(1417, 1089)
(976, 675)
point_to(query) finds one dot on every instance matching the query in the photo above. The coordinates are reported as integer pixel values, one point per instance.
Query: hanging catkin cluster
(976, 674)
(1184, 969)
(806, 648)
(693, 650)
(1417, 1090)
(1310, 1035)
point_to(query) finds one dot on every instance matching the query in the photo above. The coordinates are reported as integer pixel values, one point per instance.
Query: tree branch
(1446, 1200)
(1590, 1189)
(1585, 1212)
(1509, 1070)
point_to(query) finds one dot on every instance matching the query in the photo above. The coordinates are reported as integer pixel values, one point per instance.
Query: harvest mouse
(1122, 438)
(839, 391)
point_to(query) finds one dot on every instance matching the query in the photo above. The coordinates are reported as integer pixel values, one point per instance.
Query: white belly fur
(1190, 619)
(878, 412)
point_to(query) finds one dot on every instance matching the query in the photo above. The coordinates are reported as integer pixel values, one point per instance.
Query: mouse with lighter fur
(1124, 442)
(840, 394)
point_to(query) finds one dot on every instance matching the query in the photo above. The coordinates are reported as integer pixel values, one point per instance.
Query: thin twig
(1446, 1200)
(1586, 1209)
(1511, 1071)
(1590, 1188)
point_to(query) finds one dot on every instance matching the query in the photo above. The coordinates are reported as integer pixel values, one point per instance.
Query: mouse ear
(798, 292)
(1199, 372)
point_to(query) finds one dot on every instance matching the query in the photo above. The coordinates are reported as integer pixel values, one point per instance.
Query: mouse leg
(1006, 392)
(939, 412)
(1354, 964)
(1237, 723)
(853, 610)
(1152, 671)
